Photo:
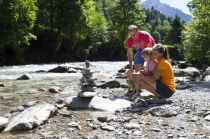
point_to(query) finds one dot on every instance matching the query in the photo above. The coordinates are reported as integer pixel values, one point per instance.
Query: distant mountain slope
(166, 9)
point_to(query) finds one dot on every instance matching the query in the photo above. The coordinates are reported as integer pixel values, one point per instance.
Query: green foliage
(17, 18)
(196, 35)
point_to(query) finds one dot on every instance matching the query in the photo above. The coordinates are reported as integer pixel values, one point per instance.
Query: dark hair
(162, 50)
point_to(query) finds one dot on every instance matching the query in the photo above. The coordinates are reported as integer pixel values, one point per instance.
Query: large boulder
(190, 71)
(207, 78)
(3, 122)
(110, 84)
(24, 77)
(206, 75)
(61, 69)
(106, 104)
(31, 117)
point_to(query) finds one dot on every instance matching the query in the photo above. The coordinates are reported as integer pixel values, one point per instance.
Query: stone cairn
(87, 82)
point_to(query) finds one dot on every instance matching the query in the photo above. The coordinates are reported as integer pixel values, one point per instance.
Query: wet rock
(207, 118)
(190, 71)
(73, 126)
(163, 111)
(107, 127)
(23, 77)
(31, 117)
(120, 76)
(155, 129)
(59, 69)
(54, 89)
(87, 94)
(3, 123)
(182, 64)
(132, 126)
(40, 71)
(1, 85)
(106, 104)
(77, 102)
(110, 84)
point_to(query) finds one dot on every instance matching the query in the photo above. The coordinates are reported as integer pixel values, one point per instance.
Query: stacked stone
(87, 82)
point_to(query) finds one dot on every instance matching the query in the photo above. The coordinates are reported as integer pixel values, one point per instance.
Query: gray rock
(107, 127)
(106, 118)
(31, 117)
(24, 77)
(132, 126)
(190, 71)
(29, 104)
(87, 89)
(155, 129)
(163, 111)
(137, 133)
(87, 63)
(146, 94)
(65, 113)
(106, 104)
(87, 94)
(110, 84)
(207, 78)
(207, 118)
(54, 89)
(18, 109)
(41, 89)
(1, 85)
(77, 102)
(3, 122)
(194, 119)
(73, 126)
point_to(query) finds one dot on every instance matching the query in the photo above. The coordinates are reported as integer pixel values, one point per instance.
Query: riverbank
(184, 117)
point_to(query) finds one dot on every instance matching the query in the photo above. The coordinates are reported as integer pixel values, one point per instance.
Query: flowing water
(17, 92)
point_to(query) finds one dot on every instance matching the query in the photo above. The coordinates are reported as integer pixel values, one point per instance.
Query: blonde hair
(146, 52)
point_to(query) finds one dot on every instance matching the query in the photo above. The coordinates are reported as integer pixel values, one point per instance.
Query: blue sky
(179, 4)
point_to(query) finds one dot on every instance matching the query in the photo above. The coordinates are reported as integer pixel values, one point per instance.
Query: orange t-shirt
(166, 73)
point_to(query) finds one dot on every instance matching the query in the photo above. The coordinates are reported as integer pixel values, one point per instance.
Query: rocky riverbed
(44, 104)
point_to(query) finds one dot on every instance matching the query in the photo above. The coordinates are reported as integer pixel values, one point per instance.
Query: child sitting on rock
(150, 65)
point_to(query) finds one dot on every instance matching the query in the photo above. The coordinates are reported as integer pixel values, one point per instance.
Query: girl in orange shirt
(162, 82)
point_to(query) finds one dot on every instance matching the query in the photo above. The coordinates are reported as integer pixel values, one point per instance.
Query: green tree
(17, 19)
(126, 13)
(174, 35)
(196, 35)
